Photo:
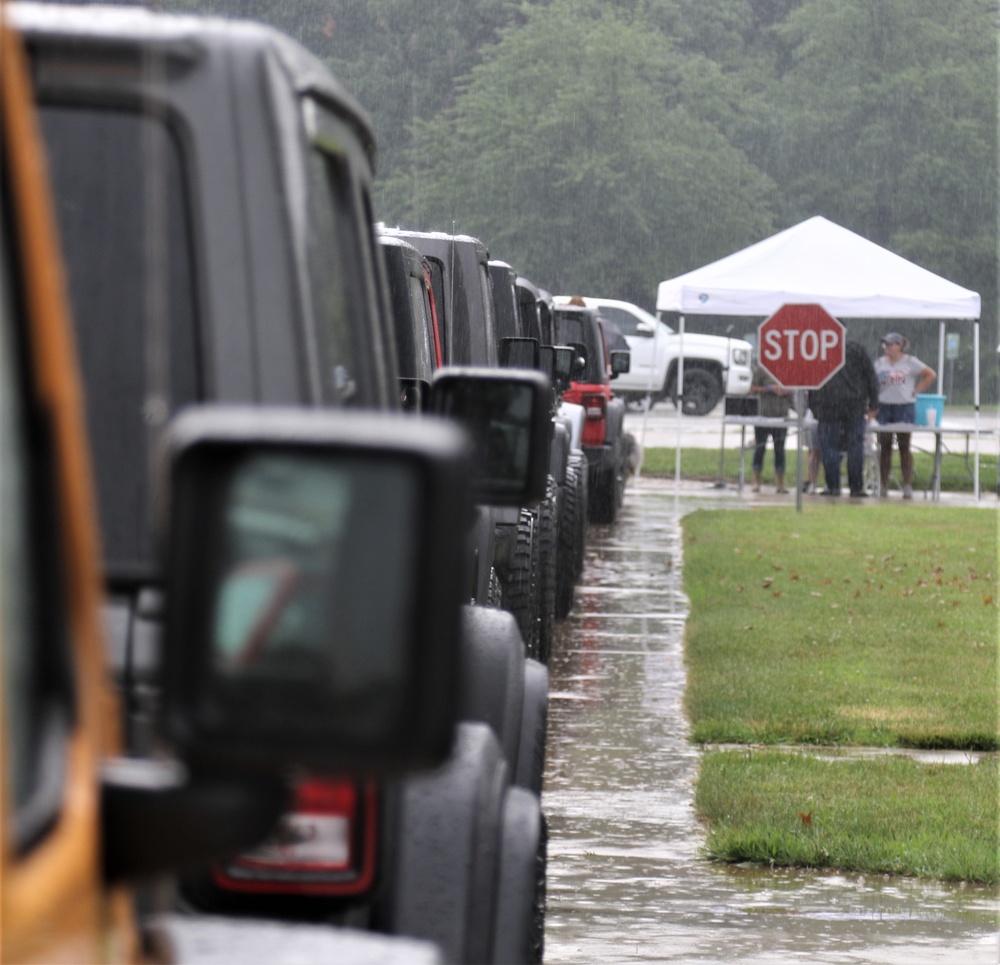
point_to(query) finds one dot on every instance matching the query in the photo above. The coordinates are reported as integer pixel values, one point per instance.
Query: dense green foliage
(601, 148)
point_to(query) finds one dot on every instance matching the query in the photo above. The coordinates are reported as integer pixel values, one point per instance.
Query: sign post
(802, 347)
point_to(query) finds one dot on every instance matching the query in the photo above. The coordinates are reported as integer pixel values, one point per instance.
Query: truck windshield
(121, 209)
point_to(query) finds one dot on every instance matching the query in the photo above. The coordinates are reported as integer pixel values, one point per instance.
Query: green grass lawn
(884, 815)
(703, 464)
(844, 627)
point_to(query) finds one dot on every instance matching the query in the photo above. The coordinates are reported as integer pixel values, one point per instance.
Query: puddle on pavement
(626, 879)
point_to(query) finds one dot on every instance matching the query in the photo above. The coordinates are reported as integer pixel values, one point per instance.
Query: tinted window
(580, 327)
(122, 209)
(336, 277)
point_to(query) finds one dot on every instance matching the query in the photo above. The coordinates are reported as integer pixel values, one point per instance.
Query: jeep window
(122, 209)
(579, 327)
(336, 276)
(36, 698)
(489, 313)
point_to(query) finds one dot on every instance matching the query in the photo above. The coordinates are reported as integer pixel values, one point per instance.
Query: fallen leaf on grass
(987, 600)
(806, 819)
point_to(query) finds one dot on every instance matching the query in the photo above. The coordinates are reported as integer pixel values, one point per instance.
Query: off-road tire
(583, 510)
(603, 496)
(547, 549)
(566, 543)
(518, 581)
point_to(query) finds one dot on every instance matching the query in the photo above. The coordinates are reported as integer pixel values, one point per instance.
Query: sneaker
(830, 492)
(859, 495)
(807, 486)
(907, 491)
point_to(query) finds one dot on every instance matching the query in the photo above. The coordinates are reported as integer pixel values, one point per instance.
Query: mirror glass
(621, 362)
(547, 361)
(313, 595)
(519, 353)
(499, 416)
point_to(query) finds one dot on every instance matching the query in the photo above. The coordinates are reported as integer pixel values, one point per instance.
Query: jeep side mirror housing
(556, 361)
(506, 412)
(518, 352)
(414, 395)
(644, 330)
(621, 362)
(579, 365)
(314, 575)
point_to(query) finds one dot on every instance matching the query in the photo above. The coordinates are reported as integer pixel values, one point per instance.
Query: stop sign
(801, 345)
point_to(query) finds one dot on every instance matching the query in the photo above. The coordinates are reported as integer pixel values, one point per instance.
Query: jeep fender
(442, 884)
(559, 452)
(518, 897)
(534, 727)
(493, 676)
(574, 415)
(616, 421)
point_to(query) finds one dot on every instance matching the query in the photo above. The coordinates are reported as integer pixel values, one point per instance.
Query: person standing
(843, 407)
(775, 401)
(901, 379)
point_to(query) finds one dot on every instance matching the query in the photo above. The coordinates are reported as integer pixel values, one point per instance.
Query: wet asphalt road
(626, 880)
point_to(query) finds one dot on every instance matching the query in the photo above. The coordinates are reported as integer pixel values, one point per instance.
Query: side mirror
(644, 330)
(314, 574)
(579, 363)
(557, 363)
(414, 395)
(621, 362)
(506, 411)
(519, 353)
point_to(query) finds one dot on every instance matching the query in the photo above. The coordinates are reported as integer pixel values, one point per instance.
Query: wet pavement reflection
(626, 879)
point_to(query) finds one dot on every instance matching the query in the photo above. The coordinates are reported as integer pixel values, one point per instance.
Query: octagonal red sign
(801, 345)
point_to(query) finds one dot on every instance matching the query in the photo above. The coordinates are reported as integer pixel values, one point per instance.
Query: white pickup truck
(713, 366)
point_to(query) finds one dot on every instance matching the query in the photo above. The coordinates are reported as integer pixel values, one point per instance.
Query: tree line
(601, 148)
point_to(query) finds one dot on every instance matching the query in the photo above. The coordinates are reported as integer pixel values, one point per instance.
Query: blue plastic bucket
(927, 403)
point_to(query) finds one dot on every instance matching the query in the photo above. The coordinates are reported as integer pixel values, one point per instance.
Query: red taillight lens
(595, 406)
(326, 845)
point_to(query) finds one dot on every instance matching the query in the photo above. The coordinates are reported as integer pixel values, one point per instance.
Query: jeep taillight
(326, 845)
(595, 407)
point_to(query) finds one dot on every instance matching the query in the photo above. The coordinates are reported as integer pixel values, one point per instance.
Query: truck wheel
(702, 392)
(603, 501)
(547, 571)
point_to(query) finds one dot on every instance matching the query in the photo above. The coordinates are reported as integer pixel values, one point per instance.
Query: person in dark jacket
(843, 407)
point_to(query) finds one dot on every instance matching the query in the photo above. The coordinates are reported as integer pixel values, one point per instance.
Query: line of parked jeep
(329, 622)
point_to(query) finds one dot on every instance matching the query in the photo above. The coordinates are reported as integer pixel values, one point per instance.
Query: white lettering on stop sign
(807, 344)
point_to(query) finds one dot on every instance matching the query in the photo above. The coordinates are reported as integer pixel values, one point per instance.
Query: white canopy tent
(820, 262)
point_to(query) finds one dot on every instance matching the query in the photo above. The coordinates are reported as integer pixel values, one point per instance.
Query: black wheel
(566, 542)
(603, 496)
(583, 513)
(547, 571)
(702, 392)
(519, 581)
